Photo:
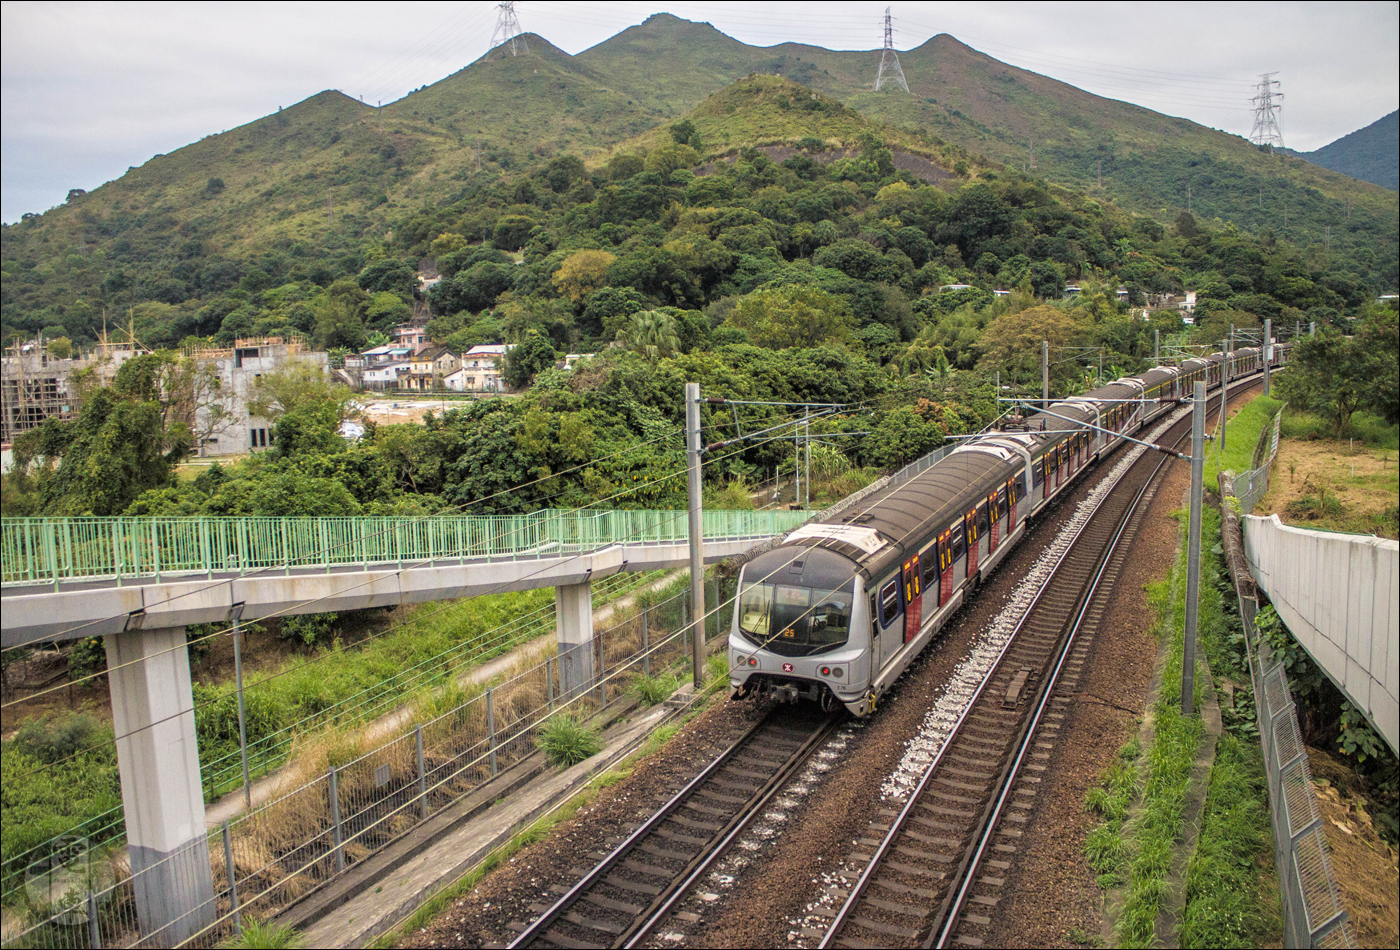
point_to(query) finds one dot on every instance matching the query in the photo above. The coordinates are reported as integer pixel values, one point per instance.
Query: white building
(480, 370)
(225, 424)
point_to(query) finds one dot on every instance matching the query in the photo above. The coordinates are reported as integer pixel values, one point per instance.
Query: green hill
(313, 192)
(1370, 154)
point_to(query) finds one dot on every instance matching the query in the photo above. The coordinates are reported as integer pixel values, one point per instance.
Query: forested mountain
(319, 190)
(1370, 154)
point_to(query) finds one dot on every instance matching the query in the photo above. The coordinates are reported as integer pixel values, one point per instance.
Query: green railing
(52, 550)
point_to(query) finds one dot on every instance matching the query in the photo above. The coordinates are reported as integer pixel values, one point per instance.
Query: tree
(117, 448)
(473, 289)
(582, 272)
(1011, 343)
(785, 317)
(60, 347)
(1334, 375)
(390, 275)
(651, 333)
(527, 358)
(608, 310)
(295, 386)
(511, 232)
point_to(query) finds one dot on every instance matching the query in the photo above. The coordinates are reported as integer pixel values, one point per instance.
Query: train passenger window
(982, 522)
(957, 544)
(1020, 486)
(1037, 472)
(993, 509)
(932, 566)
(1002, 504)
(889, 603)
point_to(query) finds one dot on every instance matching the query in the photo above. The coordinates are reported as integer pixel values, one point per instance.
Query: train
(839, 609)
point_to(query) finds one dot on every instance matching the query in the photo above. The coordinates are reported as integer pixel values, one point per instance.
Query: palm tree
(651, 333)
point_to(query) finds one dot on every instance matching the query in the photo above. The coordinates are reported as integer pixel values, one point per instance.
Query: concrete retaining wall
(1339, 594)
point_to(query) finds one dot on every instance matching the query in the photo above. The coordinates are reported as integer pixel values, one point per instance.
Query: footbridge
(138, 582)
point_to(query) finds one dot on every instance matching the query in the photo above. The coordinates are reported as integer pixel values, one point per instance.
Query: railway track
(637, 886)
(935, 875)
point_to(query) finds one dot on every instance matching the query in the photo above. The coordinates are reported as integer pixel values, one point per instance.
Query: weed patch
(565, 741)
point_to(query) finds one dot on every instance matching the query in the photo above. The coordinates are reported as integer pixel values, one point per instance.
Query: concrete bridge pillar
(573, 611)
(158, 758)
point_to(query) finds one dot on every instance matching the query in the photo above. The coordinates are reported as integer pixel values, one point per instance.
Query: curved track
(636, 887)
(933, 879)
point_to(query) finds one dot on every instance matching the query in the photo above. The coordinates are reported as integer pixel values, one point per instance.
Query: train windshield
(794, 621)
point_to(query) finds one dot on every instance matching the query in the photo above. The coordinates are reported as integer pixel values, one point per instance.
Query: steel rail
(871, 867)
(944, 924)
(537, 931)
(663, 906)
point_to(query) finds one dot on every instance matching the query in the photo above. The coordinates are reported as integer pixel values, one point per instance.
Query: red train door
(970, 532)
(994, 535)
(913, 598)
(945, 565)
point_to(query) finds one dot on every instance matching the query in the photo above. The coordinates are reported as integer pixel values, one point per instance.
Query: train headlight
(838, 672)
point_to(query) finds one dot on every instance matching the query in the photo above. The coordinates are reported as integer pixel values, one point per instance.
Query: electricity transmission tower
(1266, 130)
(890, 71)
(508, 29)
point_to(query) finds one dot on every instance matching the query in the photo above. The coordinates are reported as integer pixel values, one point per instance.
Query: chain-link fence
(261, 861)
(1253, 485)
(1312, 913)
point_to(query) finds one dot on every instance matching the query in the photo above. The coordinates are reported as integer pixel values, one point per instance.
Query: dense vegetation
(811, 279)
(313, 193)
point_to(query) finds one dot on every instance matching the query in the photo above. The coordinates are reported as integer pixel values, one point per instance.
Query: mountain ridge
(1371, 153)
(313, 183)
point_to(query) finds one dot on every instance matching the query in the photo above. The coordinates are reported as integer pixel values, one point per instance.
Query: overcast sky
(90, 89)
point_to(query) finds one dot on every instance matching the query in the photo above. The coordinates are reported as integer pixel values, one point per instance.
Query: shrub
(650, 690)
(54, 738)
(565, 741)
(257, 935)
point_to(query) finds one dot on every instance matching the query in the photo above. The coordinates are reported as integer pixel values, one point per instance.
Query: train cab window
(795, 621)
(889, 603)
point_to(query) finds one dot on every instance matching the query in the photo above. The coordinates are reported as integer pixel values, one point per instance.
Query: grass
(1241, 436)
(264, 936)
(1228, 898)
(565, 741)
(650, 690)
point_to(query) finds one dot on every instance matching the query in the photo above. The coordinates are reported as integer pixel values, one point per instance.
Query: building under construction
(33, 387)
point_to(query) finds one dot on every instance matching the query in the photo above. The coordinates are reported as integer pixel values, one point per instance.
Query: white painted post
(162, 794)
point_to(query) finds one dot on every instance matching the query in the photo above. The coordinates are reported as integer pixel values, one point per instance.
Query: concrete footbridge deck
(65, 578)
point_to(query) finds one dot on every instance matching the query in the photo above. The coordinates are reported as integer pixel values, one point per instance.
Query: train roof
(884, 528)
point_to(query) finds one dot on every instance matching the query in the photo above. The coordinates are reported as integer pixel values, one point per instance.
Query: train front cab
(798, 629)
